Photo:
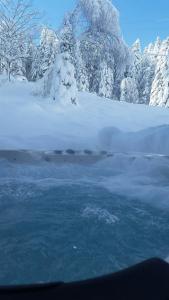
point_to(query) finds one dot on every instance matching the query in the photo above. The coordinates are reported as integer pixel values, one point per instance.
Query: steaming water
(72, 223)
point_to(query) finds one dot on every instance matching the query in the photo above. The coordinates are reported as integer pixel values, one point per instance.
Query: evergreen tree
(48, 48)
(28, 62)
(157, 47)
(106, 81)
(129, 92)
(137, 58)
(67, 38)
(64, 86)
(44, 54)
(81, 72)
(142, 71)
(145, 79)
(37, 71)
(160, 83)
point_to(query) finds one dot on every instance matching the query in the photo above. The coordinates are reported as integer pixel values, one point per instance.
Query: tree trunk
(9, 71)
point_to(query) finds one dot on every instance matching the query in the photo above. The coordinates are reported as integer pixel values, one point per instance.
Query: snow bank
(28, 122)
(151, 140)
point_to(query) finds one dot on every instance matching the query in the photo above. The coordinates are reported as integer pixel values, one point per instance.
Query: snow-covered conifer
(137, 57)
(145, 79)
(29, 61)
(161, 80)
(142, 71)
(49, 45)
(44, 53)
(67, 38)
(106, 81)
(64, 86)
(129, 92)
(81, 72)
(157, 47)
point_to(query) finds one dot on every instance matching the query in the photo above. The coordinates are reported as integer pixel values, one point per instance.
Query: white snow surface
(35, 123)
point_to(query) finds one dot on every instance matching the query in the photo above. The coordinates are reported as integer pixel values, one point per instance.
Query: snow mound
(151, 140)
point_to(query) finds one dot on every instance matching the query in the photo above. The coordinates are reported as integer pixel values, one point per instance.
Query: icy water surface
(58, 224)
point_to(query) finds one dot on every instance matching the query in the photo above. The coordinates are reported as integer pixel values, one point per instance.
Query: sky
(144, 19)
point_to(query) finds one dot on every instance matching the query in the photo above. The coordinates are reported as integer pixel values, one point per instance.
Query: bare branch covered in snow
(18, 24)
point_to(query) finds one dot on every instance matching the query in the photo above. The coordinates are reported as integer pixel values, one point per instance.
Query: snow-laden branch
(18, 24)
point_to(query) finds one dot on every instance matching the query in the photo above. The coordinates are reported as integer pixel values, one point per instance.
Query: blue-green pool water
(74, 232)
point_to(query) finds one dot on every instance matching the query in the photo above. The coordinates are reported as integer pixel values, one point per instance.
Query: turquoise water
(75, 232)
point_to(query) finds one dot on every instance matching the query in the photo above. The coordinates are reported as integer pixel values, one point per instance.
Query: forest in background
(87, 53)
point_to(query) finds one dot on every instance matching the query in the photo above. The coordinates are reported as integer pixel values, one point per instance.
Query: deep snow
(29, 122)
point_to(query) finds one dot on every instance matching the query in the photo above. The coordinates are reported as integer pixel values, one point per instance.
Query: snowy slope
(29, 122)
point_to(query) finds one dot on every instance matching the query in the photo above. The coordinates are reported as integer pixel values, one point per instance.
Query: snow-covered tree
(129, 91)
(137, 58)
(60, 79)
(29, 60)
(142, 71)
(92, 59)
(45, 53)
(149, 50)
(101, 16)
(145, 79)
(81, 72)
(157, 47)
(17, 24)
(165, 99)
(67, 38)
(64, 88)
(159, 91)
(106, 81)
(48, 48)
(37, 70)
(102, 41)
(153, 50)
